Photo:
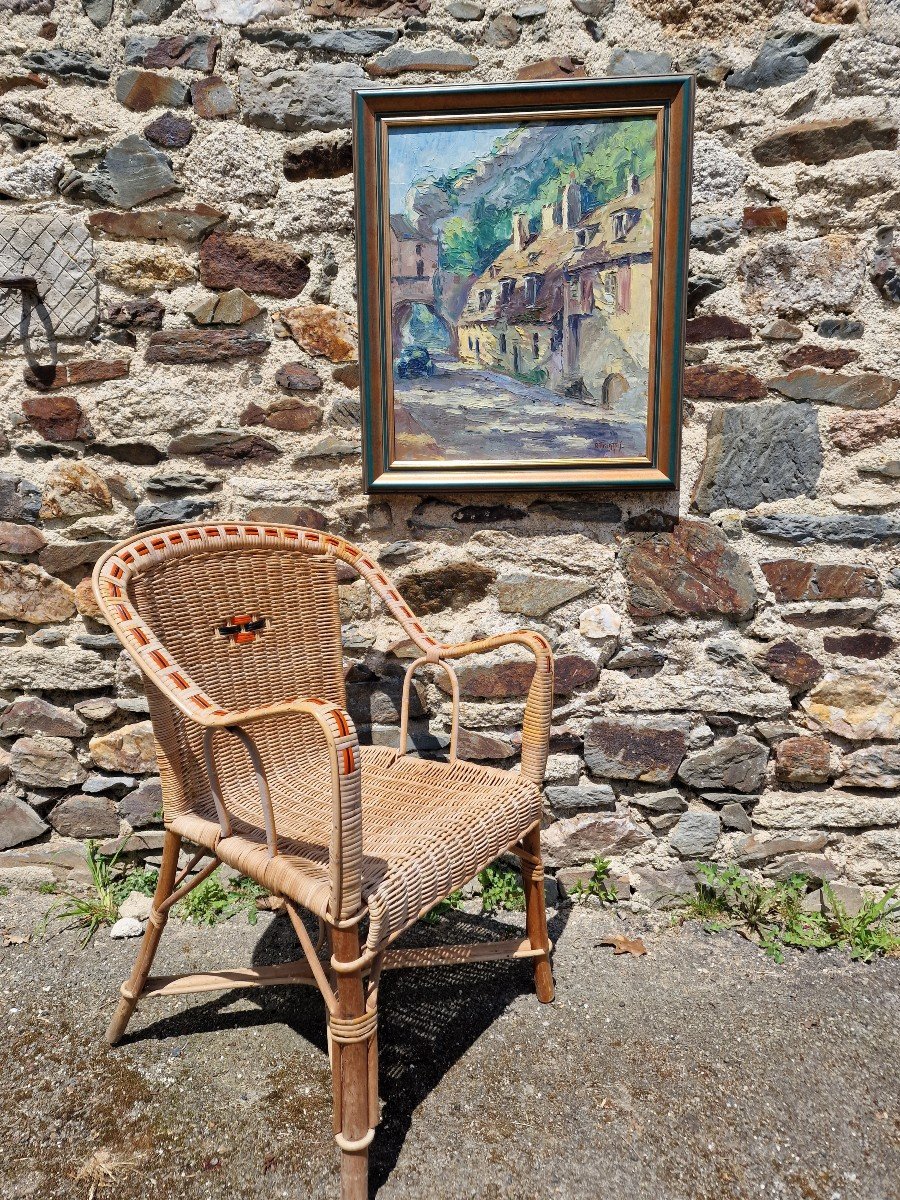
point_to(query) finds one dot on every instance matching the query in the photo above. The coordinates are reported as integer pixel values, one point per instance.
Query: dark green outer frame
(673, 93)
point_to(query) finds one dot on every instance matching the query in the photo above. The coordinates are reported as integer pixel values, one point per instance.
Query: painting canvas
(521, 268)
(521, 297)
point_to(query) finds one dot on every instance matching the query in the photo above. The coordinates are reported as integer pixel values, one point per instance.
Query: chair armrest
(345, 846)
(538, 706)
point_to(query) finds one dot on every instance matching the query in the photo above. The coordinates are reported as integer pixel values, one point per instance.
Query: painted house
(568, 306)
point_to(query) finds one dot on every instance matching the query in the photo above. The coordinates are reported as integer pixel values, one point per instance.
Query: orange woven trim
(114, 574)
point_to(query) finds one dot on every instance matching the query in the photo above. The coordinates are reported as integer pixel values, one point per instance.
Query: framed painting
(522, 280)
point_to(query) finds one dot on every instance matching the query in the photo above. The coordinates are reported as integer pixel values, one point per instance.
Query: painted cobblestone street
(457, 404)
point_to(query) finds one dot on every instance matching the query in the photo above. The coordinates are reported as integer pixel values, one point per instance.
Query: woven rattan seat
(425, 834)
(236, 630)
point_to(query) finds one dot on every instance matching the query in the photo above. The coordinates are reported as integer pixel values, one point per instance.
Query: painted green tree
(470, 241)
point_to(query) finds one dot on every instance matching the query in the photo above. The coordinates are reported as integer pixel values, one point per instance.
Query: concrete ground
(701, 1071)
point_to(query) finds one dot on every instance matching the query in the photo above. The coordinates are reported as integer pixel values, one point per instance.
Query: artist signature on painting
(609, 447)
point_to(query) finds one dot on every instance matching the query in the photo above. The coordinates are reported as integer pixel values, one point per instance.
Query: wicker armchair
(236, 630)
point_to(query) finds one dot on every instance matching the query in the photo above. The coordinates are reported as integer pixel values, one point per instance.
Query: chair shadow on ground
(428, 1018)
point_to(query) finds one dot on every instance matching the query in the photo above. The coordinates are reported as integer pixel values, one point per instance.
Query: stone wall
(727, 654)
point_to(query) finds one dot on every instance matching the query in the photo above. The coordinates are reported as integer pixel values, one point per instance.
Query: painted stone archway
(614, 388)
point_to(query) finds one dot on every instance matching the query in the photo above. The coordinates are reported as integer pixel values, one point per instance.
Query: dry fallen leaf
(14, 939)
(622, 944)
(103, 1169)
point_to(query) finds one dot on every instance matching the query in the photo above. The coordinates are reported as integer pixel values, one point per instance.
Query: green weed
(4, 890)
(141, 879)
(772, 915)
(501, 889)
(112, 881)
(453, 901)
(213, 901)
(598, 885)
(101, 905)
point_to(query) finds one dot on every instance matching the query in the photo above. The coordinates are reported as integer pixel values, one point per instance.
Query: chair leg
(536, 916)
(132, 989)
(351, 1062)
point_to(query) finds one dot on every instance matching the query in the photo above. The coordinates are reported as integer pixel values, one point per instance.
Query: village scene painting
(521, 259)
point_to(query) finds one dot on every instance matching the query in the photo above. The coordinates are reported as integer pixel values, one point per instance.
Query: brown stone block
(709, 382)
(508, 680)
(771, 216)
(803, 760)
(204, 345)
(787, 663)
(288, 514)
(855, 431)
(715, 327)
(136, 314)
(322, 160)
(21, 79)
(194, 52)
(451, 586)
(186, 224)
(321, 330)
(229, 260)
(294, 377)
(169, 131)
(213, 98)
(346, 373)
(69, 374)
(649, 752)
(830, 357)
(225, 447)
(691, 570)
(57, 418)
(793, 579)
(20, 539)
(140, 91)
(291, 415)
(860, 645)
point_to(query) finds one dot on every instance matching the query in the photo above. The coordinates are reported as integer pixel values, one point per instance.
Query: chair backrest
(248, 615)
(251, 625)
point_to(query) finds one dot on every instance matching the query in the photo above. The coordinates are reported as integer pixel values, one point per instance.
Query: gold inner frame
(606, 113)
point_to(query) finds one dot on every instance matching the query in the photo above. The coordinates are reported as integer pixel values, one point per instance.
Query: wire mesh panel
(57, 251)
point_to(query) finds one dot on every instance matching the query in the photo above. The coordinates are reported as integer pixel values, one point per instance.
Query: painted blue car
(413, 363)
